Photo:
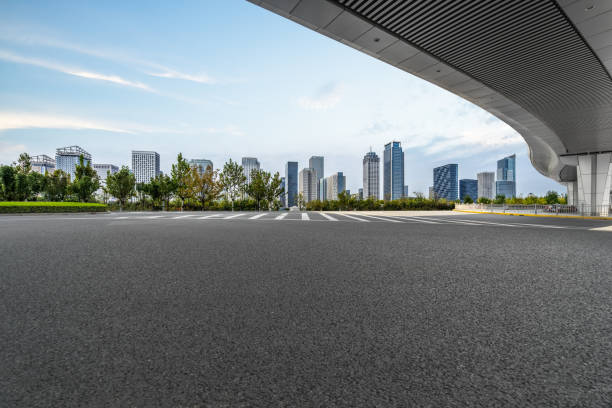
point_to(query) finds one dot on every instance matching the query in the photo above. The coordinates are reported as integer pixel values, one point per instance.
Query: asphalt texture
(126, 310)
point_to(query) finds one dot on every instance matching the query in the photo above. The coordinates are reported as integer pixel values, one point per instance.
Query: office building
(393, 168)
(336, 183)
(103, 170)
(371, 175)
(405, 193)
(468, 187)
(318, 164)
(432, 193)
(282, 196)
(145, 165)
(248, 165)
(506, 177)
(67, 158)
(446, 182)
(307, 184)
(42, 164)
(486, 185)
(291, 183)
(360, 193)
(201, 164)
(323, 189)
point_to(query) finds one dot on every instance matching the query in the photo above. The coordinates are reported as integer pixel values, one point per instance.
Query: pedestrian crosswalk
(355, 217)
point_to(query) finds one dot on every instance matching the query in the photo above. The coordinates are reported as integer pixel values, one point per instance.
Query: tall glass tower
(318, 164)
(393, 168)
(371, 175)
(291, 183)
(446, 182)
(506, 176)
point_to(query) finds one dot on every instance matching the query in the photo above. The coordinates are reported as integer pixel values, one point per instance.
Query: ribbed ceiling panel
(526, 50)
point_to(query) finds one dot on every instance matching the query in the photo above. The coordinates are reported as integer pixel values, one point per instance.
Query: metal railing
(544, 209)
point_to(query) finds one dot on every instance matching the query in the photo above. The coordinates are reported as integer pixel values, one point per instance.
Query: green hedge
(19, 207)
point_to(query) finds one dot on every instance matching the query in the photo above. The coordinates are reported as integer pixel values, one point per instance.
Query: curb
(582, 217)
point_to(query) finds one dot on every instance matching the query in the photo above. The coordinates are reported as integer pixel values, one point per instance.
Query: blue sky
(221, 79)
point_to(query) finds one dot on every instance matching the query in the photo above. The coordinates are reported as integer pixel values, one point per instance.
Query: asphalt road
(128, 310)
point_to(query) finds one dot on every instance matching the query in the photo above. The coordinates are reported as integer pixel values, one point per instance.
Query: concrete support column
(572, 192)
(594, 173)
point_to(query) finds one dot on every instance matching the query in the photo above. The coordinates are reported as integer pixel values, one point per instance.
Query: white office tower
(67, 158)
(42, 164)
(371, 176)
(201, 164)
(336, 183)
(307, 184)
(145, 165)
(486, 185)
(248, 165)
(103, 170)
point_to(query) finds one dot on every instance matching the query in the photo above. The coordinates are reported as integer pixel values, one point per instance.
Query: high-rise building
(445, 180)
(336, 183)
(282, 197)
(248, 165)
(103, 170)
(201, 164)
(360, 193)
(307, 184)
(145, 165)
(318, 164)
(323, 189)
(405, 193)
(468, 187)
(371, 175)
(393, 169)
(486, 185)
(291, 183)
(67, 158)
(42, 164)
(432, 193)
(506, 177)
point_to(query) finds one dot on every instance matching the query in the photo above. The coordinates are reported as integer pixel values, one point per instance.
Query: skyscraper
(282, 197)
(371, 175)
(486, 185)
(468, 187)
(336, 183)
(248, 165)
(318, 164)
(291, 183)
(145, 165)
(393, 171)
(446, 182)
(66, 159)
(201, 164)
(323, 189)
(42, 164)
(307, 184)
(506, 177)
(405, 192)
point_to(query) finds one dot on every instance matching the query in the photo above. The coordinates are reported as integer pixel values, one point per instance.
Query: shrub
(20, 207)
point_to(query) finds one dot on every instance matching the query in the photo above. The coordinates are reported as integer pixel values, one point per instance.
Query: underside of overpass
(543, 67)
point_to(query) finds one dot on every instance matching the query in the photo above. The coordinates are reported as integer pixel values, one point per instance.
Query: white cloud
(200, 78)
(7, 56)
(21, 120)
(9, 152)
(325, 98)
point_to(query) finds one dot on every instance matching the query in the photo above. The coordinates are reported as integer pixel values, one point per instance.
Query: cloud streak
(325, 98)
(7, 56)
(21, 120)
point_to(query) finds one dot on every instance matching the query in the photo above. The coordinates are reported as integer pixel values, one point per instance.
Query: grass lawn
(18, 207)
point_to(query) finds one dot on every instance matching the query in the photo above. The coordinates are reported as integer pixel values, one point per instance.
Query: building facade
(248, 165)
(67, 158)
(371, 176)
(201, 164)
(336, 183)
(291, 183)
(318, 164)
(323, 189)
(103, 170)
(393, 169)
(145, 165)
(282, 196)
(308, 184)
(446, 182)
(405, 193)
(506, 177)
(42, 164)
(486, 185)
(468, 187)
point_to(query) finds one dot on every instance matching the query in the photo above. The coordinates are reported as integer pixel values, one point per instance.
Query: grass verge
(24, 207)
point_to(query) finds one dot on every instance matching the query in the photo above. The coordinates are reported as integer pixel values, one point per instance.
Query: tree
(180, 177)
(85, 182)
(552, 197)
(500, 199)
(258, 186)
(141, 192)
(343, 200)
(7, 183)
(483, 200)
(467, 199)
(161, 188)
(121, 185)
(205, 185)
(232, 179)
(56, 185)
(299, 200)
(24, 163)
(274, 189)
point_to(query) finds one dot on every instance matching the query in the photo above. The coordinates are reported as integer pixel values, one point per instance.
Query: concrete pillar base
(594, 173)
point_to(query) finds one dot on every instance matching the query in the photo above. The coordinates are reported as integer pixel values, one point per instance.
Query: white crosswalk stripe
(257, 216)
(355, 218)
(233, 216)
(329, 217)
(388, 219)
(154, 216)
(209, 216)
(184, 216)
(280, 217)
(419, 219)
(305, 217)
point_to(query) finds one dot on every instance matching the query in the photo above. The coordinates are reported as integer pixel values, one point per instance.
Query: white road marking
(280, 217)
(355, 218)
(184, 216)
(209, 216)
(257, 216)
(233, 216)
(608, 228)
(305, 217)
(121, 218)
(154, 216)
(388, 219)
(418, 219)
(329, 217)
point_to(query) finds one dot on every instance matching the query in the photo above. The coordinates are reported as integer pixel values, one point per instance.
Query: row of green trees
(551, 197)
(19, 183)
(346, 202)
